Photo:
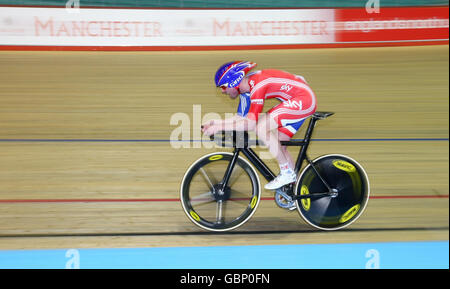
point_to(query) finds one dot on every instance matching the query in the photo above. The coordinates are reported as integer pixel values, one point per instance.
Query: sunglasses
(223, 89)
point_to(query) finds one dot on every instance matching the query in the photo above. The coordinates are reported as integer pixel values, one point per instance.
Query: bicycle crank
(283, 200)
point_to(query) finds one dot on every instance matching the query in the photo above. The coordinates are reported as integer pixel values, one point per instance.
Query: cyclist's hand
(207, 124)
(211, 130)
(204, 127)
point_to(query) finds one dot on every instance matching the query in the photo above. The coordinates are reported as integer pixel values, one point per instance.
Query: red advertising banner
(392, 25)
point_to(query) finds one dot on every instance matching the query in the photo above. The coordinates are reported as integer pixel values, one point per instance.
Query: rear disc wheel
(348, 180)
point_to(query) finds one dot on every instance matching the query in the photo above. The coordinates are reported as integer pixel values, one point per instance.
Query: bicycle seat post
(306, 140)
(308, 134)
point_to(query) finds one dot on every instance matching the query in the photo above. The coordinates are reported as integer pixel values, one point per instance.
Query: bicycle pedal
(284, 200)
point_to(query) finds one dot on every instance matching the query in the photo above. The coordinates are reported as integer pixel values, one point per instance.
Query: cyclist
(280, 123)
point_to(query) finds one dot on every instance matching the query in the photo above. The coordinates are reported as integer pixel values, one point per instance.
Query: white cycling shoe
(281, 180)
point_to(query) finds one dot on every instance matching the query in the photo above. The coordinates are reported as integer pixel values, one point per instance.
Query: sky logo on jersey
(293, 104)
(286, 87)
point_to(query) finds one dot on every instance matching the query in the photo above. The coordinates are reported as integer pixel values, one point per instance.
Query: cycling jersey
(298, 101)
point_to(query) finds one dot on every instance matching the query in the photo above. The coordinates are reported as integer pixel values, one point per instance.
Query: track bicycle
(221, 191)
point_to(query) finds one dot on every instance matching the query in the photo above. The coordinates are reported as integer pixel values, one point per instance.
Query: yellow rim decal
(306, 203)
(194, 215)
(350, 213)
(215, 157)
(345, 166)
(253, 203)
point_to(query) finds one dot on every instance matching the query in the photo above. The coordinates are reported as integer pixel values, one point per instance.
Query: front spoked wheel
(345, 202)
(209, 204)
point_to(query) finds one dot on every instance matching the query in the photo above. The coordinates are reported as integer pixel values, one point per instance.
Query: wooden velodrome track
(65, 184)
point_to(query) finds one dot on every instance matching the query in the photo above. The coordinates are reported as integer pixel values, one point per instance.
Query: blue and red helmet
(231, 74)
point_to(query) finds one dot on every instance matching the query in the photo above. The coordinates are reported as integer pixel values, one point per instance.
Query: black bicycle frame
(261, 166)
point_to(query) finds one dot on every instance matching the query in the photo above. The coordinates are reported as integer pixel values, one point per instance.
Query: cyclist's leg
(284, 137)
(286, 122)
(289, 122)
(267, 131)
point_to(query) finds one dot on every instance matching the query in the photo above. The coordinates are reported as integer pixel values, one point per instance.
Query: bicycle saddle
(322, 114)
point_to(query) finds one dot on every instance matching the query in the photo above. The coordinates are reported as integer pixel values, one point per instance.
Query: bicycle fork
(230, 168)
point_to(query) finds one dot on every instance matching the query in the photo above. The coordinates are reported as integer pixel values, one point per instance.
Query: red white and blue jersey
(298, 101)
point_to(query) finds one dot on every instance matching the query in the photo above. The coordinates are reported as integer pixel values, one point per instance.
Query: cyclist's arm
(242, 110)
(229, 120)
(246, 118)
(236, 122)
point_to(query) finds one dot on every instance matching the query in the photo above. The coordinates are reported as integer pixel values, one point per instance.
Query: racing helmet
(231, 74)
